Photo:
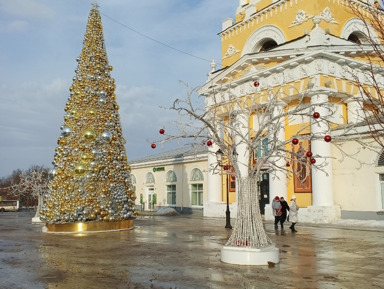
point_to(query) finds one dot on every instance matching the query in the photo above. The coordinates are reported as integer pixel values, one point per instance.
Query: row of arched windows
(196, 179)
(170, 177)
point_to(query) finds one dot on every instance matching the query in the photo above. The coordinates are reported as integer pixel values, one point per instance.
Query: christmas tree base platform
(90, 227)
(250, 256)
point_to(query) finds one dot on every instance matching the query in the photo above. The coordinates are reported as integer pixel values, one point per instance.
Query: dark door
(264, 192)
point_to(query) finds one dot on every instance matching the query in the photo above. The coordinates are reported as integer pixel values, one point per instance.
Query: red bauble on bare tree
(316, 114)
(153, 145)
(226, 168)
(309, 154)
(209, 143)
(161, 131)
(313, 161)
(256, 84)
(288, 164)
(295, 141)
(327, 138)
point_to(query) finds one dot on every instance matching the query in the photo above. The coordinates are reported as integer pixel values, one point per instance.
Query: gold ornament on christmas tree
(91, 188)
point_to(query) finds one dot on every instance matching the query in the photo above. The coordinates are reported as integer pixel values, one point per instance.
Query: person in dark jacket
(284, 209)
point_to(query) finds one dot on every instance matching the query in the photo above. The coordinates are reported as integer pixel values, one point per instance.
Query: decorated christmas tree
(91, 187)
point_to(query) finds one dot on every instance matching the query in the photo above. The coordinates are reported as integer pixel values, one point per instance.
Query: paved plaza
(184, 252)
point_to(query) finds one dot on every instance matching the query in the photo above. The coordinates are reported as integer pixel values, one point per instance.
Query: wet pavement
(184, 252)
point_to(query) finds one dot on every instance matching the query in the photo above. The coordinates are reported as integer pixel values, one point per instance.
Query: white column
(322, 183)
(355, 112)
(278, 180)
(214, 179)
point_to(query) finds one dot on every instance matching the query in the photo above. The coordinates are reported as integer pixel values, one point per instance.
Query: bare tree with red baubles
(221, 122)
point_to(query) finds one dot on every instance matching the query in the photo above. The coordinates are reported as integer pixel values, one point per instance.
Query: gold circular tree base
(91, 227)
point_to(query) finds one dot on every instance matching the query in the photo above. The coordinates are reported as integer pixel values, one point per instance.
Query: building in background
(301, 47)
(175, 179)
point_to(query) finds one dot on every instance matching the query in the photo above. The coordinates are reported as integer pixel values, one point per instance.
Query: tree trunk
(248, 230)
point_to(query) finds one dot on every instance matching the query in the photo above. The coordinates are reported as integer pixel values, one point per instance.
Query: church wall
(293, 18)
(356, 189)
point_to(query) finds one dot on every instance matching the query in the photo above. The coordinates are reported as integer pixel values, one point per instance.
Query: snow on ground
(166, 212)
(359, 223)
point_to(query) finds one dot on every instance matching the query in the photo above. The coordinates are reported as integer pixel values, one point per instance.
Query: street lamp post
(219, 157)
(227, 212)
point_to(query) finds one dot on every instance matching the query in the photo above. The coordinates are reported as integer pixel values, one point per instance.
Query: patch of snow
(360, 223)
(166, 212)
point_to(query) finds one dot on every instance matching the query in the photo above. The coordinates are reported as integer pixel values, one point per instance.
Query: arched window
(197, 192)
(380, 161)
(171, 177)
(196, 175)
(133, 180)
(149, 178)
(267, 45)
(263, 39)
(354, 38)
(356, 31)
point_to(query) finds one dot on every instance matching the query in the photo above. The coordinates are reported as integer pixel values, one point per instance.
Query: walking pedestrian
(276, 209)
(293, 218)
(284, 209)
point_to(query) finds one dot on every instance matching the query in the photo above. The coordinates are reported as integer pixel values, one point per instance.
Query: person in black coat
(284, 209)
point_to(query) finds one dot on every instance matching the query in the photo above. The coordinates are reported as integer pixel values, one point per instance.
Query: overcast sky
(41, 39)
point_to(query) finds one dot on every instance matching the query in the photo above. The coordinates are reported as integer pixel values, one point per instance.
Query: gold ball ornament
(91, 112)
(89, 135)
(80, 169)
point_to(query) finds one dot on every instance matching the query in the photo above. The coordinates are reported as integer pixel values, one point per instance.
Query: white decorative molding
(326, 15)
(319, 64)
(356, 25)
(301, 17)
(258, 38)
(255, 68)
(231, 51)
(332, 67)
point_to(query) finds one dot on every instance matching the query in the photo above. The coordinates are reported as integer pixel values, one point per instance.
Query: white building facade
(301, 47)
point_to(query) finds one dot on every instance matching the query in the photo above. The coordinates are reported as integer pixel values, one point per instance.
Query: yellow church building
(300, 46)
